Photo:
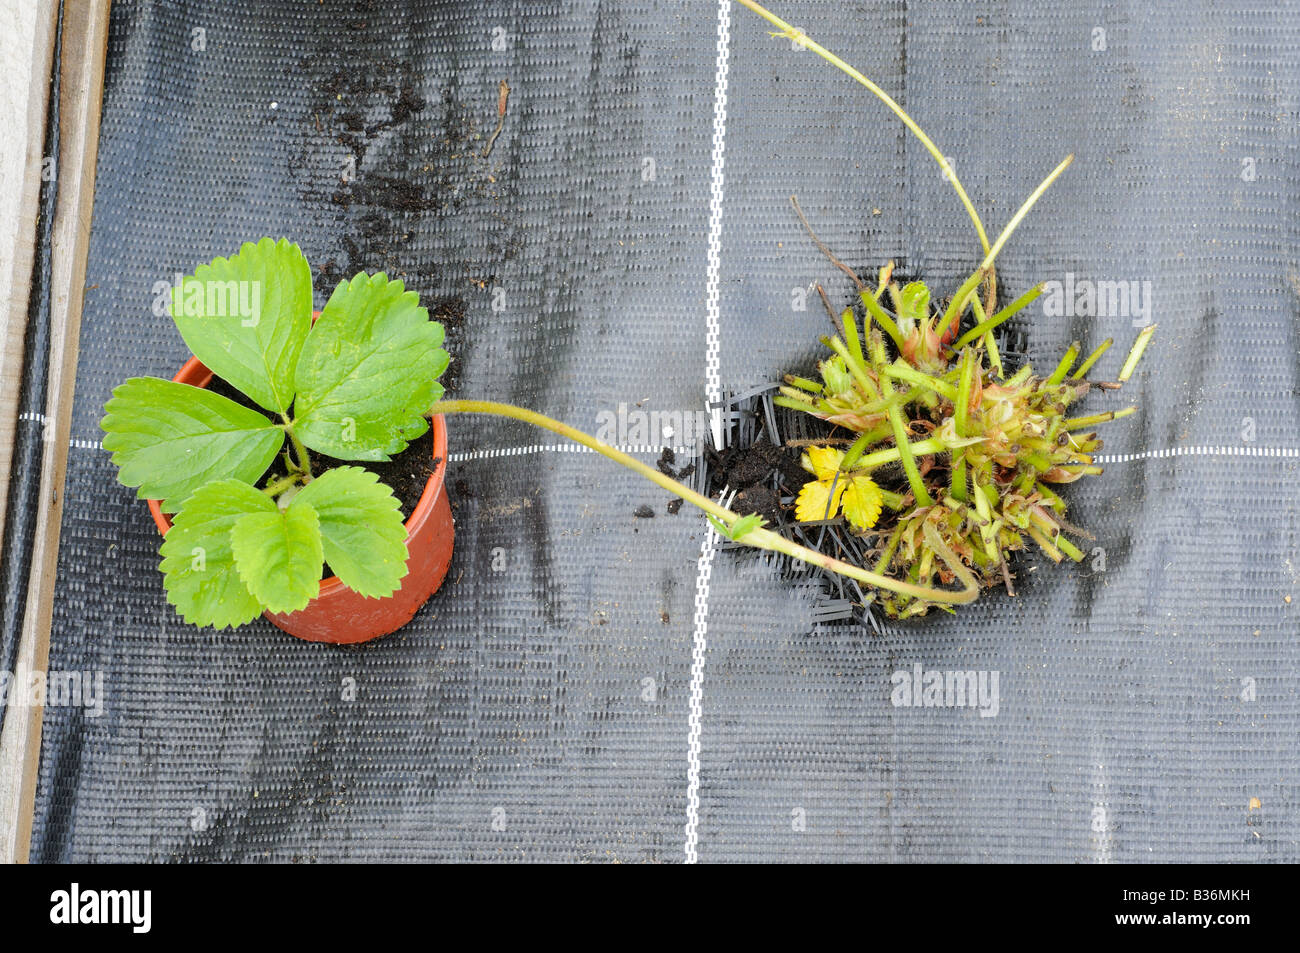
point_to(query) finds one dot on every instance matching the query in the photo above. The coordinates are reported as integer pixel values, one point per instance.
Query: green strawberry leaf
(198, 566)
(246, 317)
(278, 555)
(169, 439)
(361, 529)
(368, 371)
(738, 530)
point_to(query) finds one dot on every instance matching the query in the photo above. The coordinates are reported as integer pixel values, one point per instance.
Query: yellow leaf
(813, 500)
(823, 462)
(862, 502)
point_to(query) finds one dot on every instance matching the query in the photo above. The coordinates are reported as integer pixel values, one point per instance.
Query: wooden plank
(26, 55)
(81, 76)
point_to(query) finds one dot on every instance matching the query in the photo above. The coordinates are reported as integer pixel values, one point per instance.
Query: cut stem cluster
(991, 446)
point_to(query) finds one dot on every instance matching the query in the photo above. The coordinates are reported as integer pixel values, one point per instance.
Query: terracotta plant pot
(339, 615)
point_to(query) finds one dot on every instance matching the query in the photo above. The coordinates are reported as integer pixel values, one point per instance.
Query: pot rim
(419, 514)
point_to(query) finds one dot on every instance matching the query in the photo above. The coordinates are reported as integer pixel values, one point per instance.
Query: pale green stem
(304, 461)
(881, 318)
(276, 487)
(961, 410)
(1086, 366)
(986, 339)
(958, 303)
(759, 538)
(1063, 368)
(1006, 313)
(905, 372)
(850, 323)
(1019, 377)
(1024, 210)
(856, 368)
(1079, 423)
(1135, 355)
(796, 35)
(921, 448)
(909, 461)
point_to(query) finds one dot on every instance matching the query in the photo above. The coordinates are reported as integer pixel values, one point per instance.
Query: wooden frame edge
(83, 52)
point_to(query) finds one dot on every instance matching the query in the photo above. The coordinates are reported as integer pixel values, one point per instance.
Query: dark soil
(408, 104)
(750, 472)
(394, 194)
(759, 499)
(406, 474)
(450, 313)
(665, 465)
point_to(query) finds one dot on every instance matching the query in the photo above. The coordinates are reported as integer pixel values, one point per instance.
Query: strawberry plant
(355, 385)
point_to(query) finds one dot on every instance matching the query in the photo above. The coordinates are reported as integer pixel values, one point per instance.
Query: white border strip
(468, 455)
(717, 190)
(713, 392)
(696, 699)
(1290, 452)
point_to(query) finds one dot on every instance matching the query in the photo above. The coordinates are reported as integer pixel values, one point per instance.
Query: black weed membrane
(594, 684)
